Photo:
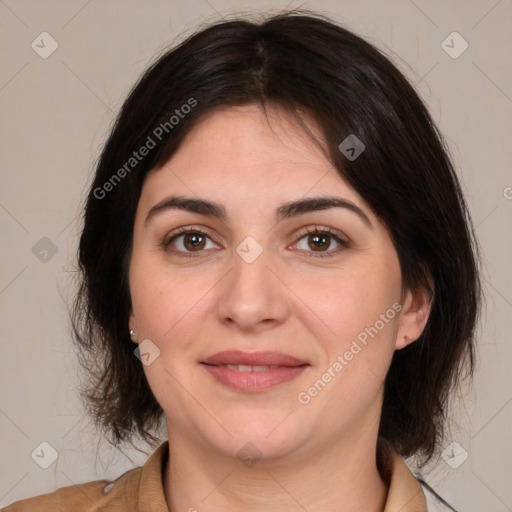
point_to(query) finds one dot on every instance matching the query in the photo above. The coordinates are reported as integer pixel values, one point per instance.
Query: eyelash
(344, 244)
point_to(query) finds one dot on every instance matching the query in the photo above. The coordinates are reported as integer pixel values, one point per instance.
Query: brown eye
(322, 242)
(193, 241)
(187, 242)
(319, 242)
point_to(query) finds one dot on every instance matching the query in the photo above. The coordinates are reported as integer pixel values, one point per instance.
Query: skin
(319, 456)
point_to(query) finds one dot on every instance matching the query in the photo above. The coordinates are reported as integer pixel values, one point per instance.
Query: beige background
(56, 112)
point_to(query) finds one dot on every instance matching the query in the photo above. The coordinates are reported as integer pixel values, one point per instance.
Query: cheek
(354, 300)
(167, 304)
(363, 311)
(363, 314)
(167, 307)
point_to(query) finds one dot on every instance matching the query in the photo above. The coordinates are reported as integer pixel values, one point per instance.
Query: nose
(253, 296)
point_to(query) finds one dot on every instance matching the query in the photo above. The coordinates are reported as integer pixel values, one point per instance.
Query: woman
(275, 223)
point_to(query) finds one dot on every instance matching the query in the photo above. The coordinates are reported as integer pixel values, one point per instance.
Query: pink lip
(253, 358)
(282, 368)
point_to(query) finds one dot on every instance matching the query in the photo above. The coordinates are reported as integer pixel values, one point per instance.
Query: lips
(256, 371)
(235, 357)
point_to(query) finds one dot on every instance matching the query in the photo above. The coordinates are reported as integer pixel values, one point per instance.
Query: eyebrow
(285, 211)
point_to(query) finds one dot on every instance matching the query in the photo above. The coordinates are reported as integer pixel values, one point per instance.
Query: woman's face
(268, 323)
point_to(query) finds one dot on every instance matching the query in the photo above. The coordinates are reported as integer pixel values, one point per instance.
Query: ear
(414, 315)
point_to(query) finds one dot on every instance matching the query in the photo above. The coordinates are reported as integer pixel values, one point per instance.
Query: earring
(132, 334)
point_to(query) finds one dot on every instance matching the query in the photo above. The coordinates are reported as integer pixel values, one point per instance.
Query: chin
(263, 434)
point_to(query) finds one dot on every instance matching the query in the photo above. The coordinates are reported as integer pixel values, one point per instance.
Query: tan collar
(404, 495)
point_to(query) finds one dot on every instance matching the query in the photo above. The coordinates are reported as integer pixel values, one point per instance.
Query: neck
(341, 477)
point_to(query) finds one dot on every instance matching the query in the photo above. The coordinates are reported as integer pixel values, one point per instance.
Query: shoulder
(127, 493)
(406, 491)
(86, 497)
(434, 502)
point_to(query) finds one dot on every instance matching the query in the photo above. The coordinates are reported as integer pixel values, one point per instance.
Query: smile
(253, 372)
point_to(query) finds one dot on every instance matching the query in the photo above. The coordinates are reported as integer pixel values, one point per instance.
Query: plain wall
(57, 111)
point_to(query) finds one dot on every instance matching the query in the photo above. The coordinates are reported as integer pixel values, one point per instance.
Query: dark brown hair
(302, 62)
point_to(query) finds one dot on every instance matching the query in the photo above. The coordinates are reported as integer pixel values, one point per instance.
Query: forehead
(248, 157)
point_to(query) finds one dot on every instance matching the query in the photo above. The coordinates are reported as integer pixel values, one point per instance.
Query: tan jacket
(141, 490)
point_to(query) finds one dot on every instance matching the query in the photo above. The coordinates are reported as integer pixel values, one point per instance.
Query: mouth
(248, 367)
(253, 359)
(254, 372)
